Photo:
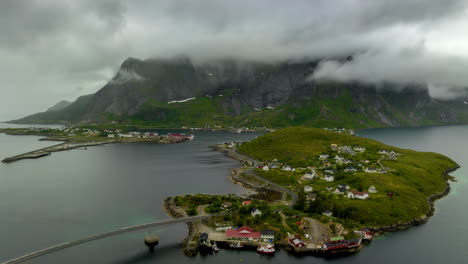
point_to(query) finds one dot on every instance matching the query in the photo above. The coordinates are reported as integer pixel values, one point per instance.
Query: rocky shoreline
(172, 210)
(423, 219)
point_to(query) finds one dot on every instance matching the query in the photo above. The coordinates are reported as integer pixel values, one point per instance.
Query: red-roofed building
(245, 203)
(243, 233)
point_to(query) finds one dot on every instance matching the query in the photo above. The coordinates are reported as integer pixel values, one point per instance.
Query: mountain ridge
(239, 93)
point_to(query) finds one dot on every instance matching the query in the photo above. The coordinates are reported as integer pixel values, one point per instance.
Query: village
(339, 163)
(255, 225)
(77, 132)
(266, 226)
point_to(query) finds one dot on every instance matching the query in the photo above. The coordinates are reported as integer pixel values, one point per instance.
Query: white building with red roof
(243, 233)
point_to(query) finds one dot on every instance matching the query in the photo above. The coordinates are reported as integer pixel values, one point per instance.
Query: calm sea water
(73, 194)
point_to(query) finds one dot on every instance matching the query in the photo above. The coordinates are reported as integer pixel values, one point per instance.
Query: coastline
(424, 218)
(377, 230)
(71, 143)
(171, 209)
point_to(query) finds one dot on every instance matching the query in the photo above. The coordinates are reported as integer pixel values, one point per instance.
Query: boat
(215, 247)
(236, 245)
(267, 250)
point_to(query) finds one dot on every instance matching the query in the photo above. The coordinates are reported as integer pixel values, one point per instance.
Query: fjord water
(77, 193)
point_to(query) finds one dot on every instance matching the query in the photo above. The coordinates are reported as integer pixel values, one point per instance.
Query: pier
(48, 150)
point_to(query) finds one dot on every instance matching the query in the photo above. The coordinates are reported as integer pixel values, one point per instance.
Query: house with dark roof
(203, 239)
(267, 235)
(255, 212)
(329, 177)
(311, 196)
(344, 186)
(340, 190)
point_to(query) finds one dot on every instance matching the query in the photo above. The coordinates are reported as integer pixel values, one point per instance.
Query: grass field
(414, 175)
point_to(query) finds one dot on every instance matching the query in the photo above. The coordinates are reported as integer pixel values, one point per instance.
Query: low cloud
(49, 47)
(125, 76)
(445, 76)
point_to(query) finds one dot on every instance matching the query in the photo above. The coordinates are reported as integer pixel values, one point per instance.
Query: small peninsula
(319, 191)
(83, 137)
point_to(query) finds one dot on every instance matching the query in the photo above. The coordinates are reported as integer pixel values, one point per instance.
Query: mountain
(59, 106)
(177, 92)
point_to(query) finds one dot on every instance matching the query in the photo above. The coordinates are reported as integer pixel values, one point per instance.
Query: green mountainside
(178, 92)
(403, 185)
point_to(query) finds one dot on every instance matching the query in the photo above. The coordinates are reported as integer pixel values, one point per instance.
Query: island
(83, 137)
(315, 191)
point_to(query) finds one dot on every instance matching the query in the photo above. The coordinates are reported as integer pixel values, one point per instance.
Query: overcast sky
(52, 50)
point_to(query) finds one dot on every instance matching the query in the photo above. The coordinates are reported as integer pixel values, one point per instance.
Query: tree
(192, 211)
(301, 201)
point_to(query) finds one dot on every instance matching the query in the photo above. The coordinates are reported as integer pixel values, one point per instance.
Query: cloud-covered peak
(59, 49)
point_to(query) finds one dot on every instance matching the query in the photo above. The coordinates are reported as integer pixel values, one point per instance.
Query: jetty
(48, 150)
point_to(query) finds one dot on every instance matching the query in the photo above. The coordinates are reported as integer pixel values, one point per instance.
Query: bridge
(104, 235)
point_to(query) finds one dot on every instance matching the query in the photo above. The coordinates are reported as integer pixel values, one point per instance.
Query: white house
(358, 195)
(339, 159)
(111, 135)
(308, 189)
(324, 156)
(329, 177)
(359, 149)
(350, 169)
(384, 152)
(287, 168)
(327, 213)
(372, 189)
(310, 175)
(265, 168)
(371, 170)
(255, 212)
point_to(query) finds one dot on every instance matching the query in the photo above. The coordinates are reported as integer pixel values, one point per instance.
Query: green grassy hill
(412, 177)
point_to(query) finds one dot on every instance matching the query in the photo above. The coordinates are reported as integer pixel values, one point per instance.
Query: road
(254, 164)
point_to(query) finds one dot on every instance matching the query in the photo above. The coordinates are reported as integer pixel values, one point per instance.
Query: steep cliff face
(255, 85)
(180, 92)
